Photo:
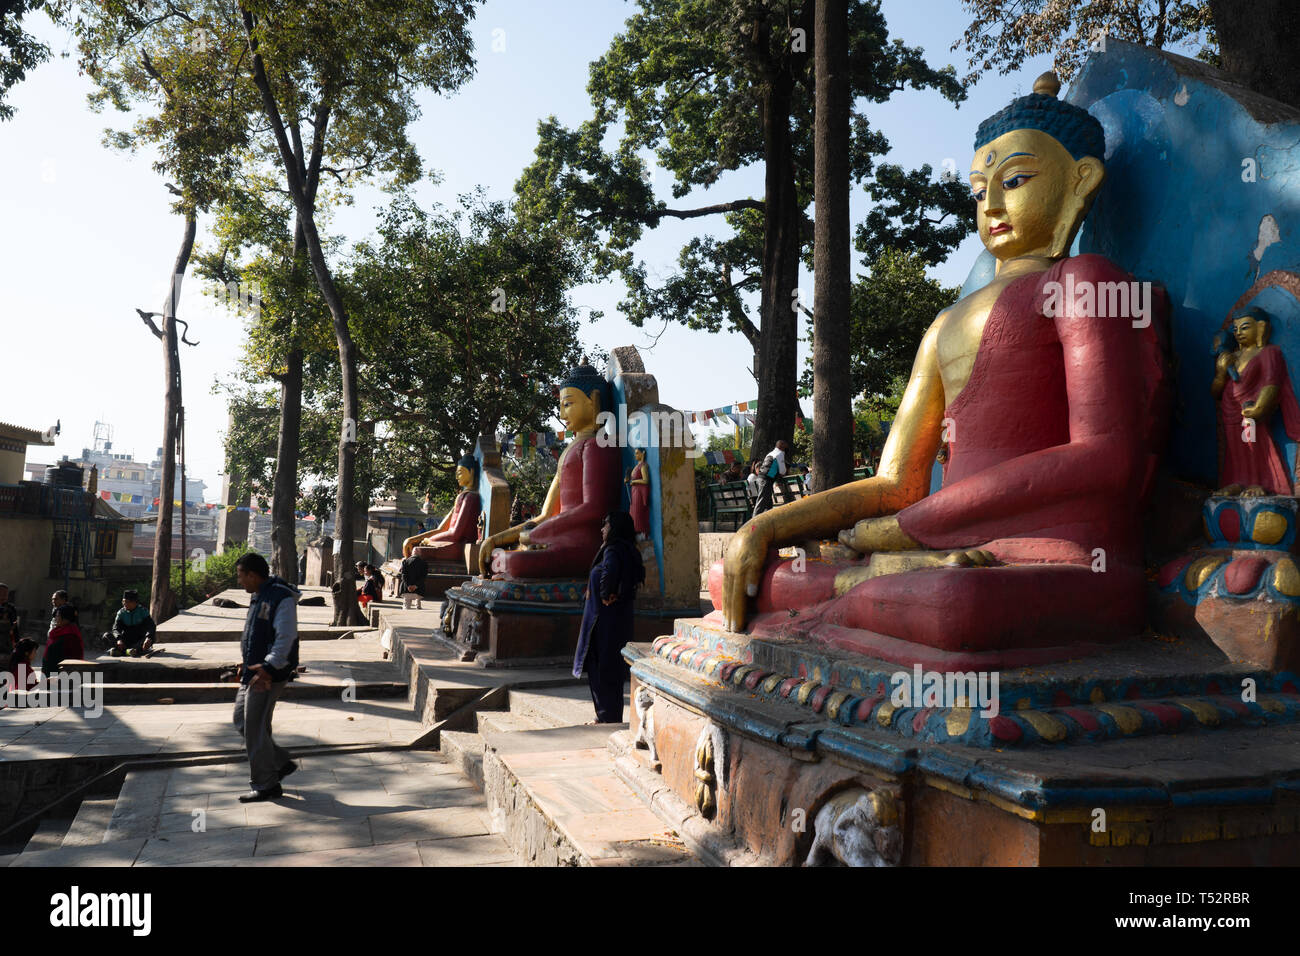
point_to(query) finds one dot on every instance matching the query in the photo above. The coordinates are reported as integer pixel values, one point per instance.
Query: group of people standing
(761, 475)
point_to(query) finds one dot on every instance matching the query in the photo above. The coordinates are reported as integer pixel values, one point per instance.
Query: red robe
(1054, 447)
(589, 490)
(1259, 462)
(639, 500)
(462, 530)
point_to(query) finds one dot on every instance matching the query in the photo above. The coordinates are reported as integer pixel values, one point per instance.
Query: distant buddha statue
(1051, 412)
(459, 527)
(563, 540)
(1250, 384)
(638, 490)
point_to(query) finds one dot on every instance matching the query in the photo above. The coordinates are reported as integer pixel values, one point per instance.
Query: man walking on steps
(270, 657)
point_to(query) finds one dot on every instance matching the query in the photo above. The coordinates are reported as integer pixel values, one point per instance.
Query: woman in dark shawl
(616, 573)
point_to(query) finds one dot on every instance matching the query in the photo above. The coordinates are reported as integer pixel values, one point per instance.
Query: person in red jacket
(65, 640)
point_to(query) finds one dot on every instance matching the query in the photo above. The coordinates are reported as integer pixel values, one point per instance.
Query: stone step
(556, 706)
(554, 796)
(111, 853)
(90, 825)
(49, 834)
(212, 693)
(503, 721)
(139, 805)
(464, 750)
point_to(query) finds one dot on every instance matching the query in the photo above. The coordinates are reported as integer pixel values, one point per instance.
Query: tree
(1259, 45)
(19, 50)
(1004, 33)
(468, 327)
(710, 86)
(1256, 44)
(194, 117)
(890, 309)
(832, 398)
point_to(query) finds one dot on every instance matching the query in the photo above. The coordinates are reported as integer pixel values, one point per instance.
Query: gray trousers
(253, 712)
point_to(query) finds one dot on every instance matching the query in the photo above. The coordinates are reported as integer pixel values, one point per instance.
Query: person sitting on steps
(133, 629)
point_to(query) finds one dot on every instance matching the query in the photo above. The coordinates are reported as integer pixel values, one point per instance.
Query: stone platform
(207, 622)
(1145, 755)
(530, 623)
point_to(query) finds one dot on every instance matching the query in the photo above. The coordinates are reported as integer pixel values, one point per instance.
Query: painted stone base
(526, 623)
(1162, 762)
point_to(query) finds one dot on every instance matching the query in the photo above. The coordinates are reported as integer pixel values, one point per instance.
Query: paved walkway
(384, 809)
(49, 732)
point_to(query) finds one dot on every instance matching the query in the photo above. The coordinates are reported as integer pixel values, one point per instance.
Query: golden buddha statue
(460, 526)
(1250, 384)
(1041, 406)
(562, 541)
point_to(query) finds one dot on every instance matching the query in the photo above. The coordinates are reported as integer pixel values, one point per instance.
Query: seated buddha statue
(1250, 384)
(1051, 416)
(563, 540)
(460, 526)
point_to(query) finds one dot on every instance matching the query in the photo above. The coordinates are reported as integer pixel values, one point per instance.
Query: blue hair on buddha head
(1072, 126)
(470, 463)
(587, 380)
(1253, 312)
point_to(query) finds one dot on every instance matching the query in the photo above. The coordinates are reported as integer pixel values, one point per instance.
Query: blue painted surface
(1175, 209)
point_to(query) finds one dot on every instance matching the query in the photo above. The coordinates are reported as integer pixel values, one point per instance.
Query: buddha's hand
(742, 568)
(485, 554)
(1254, 491)
(1223, 361)
(877, 534)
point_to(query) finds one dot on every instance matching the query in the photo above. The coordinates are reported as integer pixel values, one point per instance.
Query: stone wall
(713, 547)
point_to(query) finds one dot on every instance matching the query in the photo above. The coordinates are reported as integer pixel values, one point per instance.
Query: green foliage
(530, 477)
(19, 50)
(1004, 33)
(468, 325)
(890, 309)
(692, 82)
(216, 575)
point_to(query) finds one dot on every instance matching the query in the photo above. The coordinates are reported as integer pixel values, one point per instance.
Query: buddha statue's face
(578, 410)
(463, 476)
(1031, 194)
(1249, 330)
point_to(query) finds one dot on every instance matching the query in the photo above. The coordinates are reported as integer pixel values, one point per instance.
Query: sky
(87, 235)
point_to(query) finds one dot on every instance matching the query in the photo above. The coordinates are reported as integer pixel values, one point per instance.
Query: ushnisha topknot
(1073, 127)
(587, 380)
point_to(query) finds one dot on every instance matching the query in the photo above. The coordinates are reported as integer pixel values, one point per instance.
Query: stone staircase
(380, 808)
(550, 787)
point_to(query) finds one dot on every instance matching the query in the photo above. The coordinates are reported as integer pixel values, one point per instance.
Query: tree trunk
(832, 399)
(284, 498)
(346, 611)
(778, 349)
(162, 602)
(1259, 45)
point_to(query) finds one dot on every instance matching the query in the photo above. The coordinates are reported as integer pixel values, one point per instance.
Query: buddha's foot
(974, 558)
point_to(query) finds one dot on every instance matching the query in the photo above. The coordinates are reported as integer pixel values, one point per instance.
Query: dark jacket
(414, 573)
(617, 572)
(8, 625)
(259, 629)
(132, 627)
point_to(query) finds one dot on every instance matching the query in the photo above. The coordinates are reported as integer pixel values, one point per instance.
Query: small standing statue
(638, 482)
(460, 527)
(1250, 384)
